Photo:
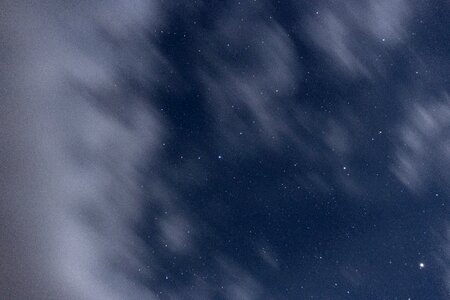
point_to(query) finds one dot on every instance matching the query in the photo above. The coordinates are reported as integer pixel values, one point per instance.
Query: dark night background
(225, 149)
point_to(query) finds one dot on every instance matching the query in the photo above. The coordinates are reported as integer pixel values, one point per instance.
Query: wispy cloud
(423, 148)
(251, 101)
(354, 34)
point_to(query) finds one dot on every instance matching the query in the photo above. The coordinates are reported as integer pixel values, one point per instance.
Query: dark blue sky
(328, 117)
(226, 149)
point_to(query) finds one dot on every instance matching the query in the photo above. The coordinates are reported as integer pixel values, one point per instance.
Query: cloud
(237, 283)
(331, 34)
(175, 233)
(442, 254)
(354, 34)
(269, 257)
(338, 138)
(249, 78)
(422, 150)
(86, 137)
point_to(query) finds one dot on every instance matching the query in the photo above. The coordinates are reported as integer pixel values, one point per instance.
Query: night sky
(240, 150)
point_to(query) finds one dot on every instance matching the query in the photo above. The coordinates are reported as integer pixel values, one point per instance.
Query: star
(421, 265)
